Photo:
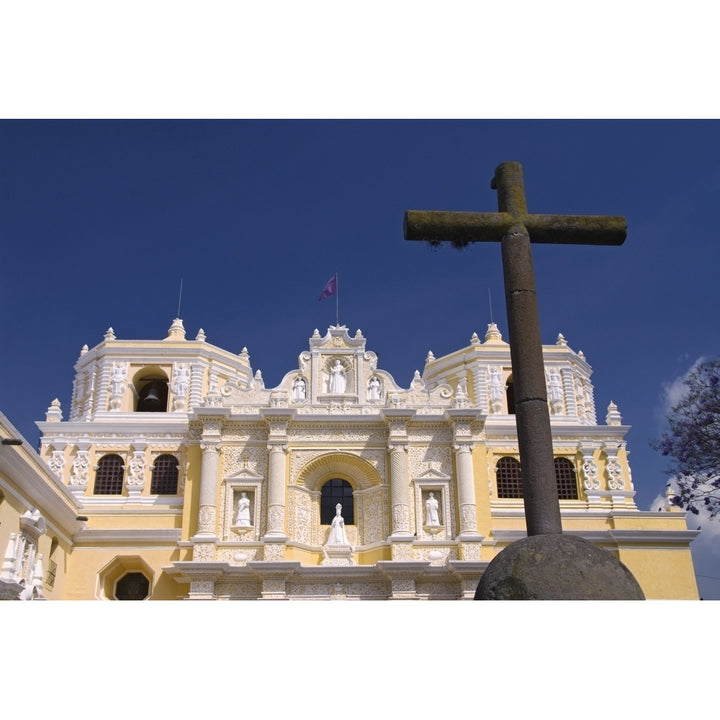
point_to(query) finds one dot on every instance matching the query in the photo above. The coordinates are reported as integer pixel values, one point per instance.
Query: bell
(151, 398)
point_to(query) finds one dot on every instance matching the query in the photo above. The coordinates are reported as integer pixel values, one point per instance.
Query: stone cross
(515, 228)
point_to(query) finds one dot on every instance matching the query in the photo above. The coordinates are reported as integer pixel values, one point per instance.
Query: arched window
(109, 476)
(333, 492)
(510, 395)
(509, 478)
(164, 476)
(566, 479)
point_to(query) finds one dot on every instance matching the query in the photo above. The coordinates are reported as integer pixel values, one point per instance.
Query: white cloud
(675, 390)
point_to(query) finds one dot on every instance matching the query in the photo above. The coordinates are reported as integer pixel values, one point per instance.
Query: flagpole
(337, 301)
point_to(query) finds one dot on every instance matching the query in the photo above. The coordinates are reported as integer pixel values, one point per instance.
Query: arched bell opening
(152, 393)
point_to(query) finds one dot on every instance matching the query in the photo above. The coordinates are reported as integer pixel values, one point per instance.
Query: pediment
(244, 474)
(433, 475)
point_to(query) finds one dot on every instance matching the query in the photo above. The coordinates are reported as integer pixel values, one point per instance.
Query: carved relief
(136, 470)
(206, 518)
(590, 475)
(276, 518)
(496, 389)
(81, 464)
(468, 517)
(614, 473)
(56, 463)
(180, 386)
(373, 526)
(274, 552)
(118, 379)
(470, 551)
(401, 517)
(236, 556)
(246, 458)
(401, 551)
(300, 513)
(203, 552)
(555, 392)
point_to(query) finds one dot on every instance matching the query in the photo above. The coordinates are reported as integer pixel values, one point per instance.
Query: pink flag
(329, 289)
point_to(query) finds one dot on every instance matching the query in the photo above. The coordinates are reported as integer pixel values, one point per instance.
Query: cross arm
(461, 228)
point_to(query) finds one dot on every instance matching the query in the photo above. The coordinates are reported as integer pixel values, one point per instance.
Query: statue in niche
(337, 379)
(555, 391)
(299, 388)
(242, 518)
(432, 517)
(496, 389)
(374, 388)
(337, 529)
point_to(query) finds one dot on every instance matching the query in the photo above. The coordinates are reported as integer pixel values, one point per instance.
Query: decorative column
(88, 406)
(569, 392)
(276, 489)
(401, 537)
(275, 539)
(104, 386)
(196, 377)
(399, 489)
(206, 538)
(469, 538)
(465, 487)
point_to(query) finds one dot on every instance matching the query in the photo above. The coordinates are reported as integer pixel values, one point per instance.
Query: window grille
(509, 478)
(109, 476)
(164, 476)
(566, 479)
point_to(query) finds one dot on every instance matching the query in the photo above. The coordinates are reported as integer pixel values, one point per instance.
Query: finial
(613, 417)
(561, 339)
(492, 334)
(110, 334)
(201, 335)
(176, 331)
(474, 340)
(430, 357)
(83, 350)
(54, 413)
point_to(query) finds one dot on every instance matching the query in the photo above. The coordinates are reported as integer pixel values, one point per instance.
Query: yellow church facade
(178, 475)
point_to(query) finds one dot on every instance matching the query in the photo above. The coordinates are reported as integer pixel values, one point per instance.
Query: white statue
(299, 388)
(496, 389)
(242, 518)
(431, 511)
(374, 388)
(555, 391)
(337, 378)
(180, 379)
(337, 529)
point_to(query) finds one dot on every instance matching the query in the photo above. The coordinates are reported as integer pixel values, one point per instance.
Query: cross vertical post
(515, 228)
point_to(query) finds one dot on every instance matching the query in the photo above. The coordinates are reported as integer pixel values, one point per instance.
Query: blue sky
(100, 220)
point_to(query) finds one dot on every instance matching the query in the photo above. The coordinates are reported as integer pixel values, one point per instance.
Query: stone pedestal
(557, 567)
(337, 555)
